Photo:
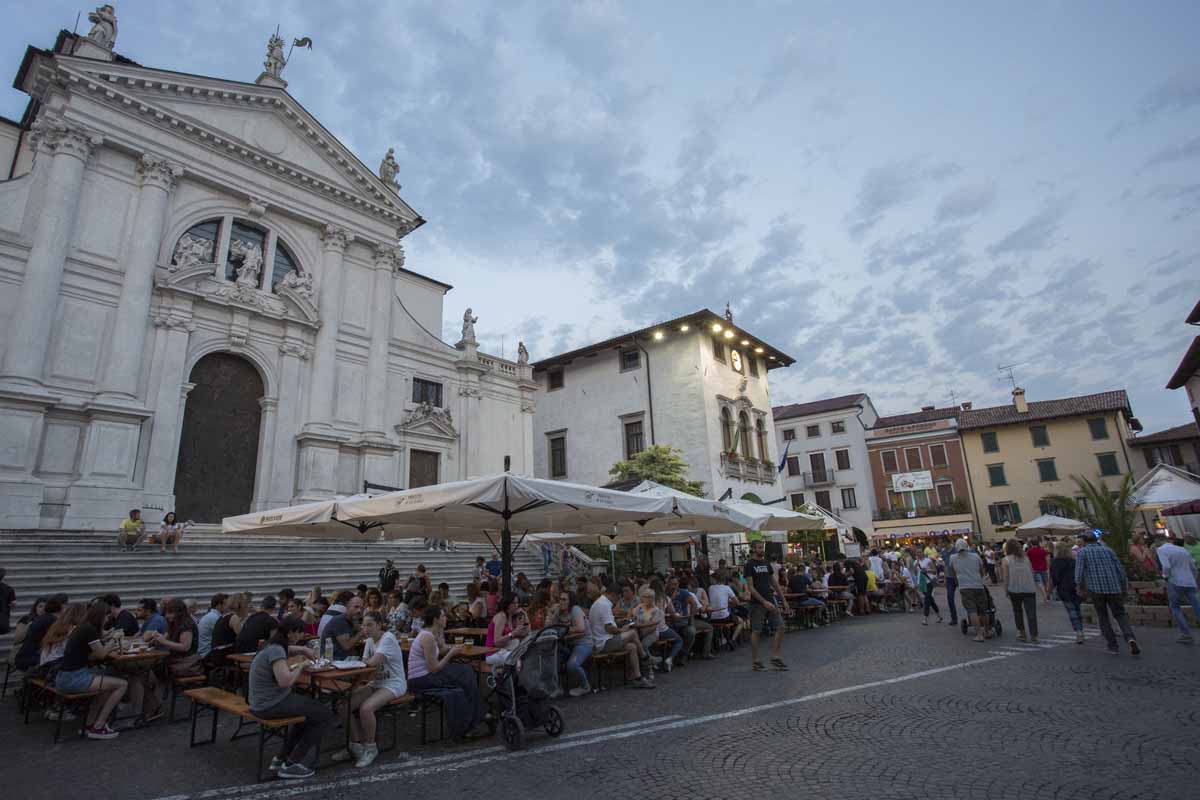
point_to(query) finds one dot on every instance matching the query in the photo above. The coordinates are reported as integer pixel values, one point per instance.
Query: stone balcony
(747, 469)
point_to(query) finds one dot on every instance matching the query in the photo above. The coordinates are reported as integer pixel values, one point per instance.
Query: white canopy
(1164, 486)
(779, 518)
(315, 519)
(700, 514)
(451, 510)
(1050, 524)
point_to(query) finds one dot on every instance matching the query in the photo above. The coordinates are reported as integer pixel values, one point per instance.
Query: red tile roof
(793, 410)
(1179, 432)
(1188, 367)
(917, 416)
(1047, 409)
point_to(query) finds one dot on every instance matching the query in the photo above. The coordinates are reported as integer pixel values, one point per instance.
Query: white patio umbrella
(1049, 524)
(779, 518)
(505, 502)
(691, 513)
(313, 519)
(1164, 486)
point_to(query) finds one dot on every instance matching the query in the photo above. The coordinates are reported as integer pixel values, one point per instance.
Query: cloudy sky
(900, 199)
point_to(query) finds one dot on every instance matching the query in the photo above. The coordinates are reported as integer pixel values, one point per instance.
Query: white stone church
(205, 307)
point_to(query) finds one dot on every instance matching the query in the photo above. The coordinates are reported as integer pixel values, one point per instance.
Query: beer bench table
(211, 700)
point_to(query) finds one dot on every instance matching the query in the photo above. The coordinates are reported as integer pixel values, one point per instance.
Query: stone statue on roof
(468, 328)
(522, 353)
(276, 60)
(104, 27)
(388, 168)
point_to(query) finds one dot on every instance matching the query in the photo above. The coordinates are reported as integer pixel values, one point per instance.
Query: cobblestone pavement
(880, 707)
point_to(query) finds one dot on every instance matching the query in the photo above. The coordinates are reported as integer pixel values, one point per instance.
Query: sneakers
(276, 763)
(1021, 637)
(643, 683)
(778, 665)
(351, 752)
(1133, 647)
(757, 666)
(100, 732)
(668, 664)
(64, 714)
(1078, 637)
(294, 772)
(369, 753)
(154, 717)
(580, 691)
(1033, 640)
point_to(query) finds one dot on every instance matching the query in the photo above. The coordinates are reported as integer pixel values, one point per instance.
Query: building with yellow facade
(1017, 454)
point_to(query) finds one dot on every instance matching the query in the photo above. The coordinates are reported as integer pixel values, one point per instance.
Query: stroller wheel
(512, 732)
(966, 627)
(997, 628)
(554, 721)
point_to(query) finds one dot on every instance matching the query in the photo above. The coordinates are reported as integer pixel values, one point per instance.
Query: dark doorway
(218, 447)
(422, 468)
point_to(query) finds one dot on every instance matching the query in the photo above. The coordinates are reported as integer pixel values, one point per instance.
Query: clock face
(735, 358)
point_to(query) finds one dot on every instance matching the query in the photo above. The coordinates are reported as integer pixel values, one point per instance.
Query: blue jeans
(1176, 597)
(669, 635)
(579, 656)
(951, 588)
(1073, 612)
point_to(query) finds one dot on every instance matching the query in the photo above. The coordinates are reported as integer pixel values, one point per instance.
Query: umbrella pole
(506, 548)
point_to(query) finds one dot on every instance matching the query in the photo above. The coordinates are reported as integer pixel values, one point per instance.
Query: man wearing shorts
(967, 567)
(765, 600)
(1039, 561)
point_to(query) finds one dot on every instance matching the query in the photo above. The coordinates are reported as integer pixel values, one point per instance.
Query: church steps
(84, 564)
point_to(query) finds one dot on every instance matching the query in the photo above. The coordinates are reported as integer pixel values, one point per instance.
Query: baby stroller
(523, 685)
(992, 620)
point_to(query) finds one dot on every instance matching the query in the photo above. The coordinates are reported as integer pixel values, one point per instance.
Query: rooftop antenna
(953, 398)
(76, 28)
(1007, 371)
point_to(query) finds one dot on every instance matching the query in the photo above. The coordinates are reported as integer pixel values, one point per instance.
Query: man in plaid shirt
(1099, 573)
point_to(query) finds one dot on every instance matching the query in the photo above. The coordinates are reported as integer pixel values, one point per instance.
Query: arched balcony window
(240, 250)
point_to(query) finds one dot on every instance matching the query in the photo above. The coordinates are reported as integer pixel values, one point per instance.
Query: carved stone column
(123, 368)
(28, 334)
(172, 331)
(266, 453)
(320, 400)
(281, 486)
(470, 436)
(387, 261)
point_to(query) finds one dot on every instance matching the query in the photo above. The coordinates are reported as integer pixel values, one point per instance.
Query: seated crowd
(653, 622)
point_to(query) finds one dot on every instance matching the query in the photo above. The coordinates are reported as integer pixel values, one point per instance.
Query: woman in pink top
(430, 668)
(502, 630)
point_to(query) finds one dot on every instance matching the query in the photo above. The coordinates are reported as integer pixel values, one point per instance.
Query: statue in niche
(522, 353)
(252, 261)
(468, 328)
(104, 27)
(276, 61)
(388, 168)
(191, 250)
(301, 283)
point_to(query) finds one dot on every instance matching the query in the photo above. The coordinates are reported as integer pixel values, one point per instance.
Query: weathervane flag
(305, 42)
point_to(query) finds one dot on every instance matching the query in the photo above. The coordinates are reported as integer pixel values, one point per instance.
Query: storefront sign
(916, 427)
(922, 533)
(912, 481)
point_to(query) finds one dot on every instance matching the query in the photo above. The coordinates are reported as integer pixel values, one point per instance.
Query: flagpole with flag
(783, 461)
(305, 42)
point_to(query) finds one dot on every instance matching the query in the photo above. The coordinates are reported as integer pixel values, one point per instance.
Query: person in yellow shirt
(930, 552)
(132, 531)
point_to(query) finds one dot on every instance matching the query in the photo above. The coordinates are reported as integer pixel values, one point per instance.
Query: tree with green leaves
(659, 463)
(1101, 508)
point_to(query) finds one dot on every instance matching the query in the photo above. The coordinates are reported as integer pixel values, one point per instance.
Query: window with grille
(889, 461)
(848, 499)
(1004, 513)
(554, 379)
(634, 440)
(558, 457)
(837, 427)
(630, 359)
(427, 392)
(937, 455)
(842, 457)
(789, 435)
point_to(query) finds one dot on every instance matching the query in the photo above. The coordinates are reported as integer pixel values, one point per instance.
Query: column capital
(295, 349)
(268, 403)
(336, 238)
(390, 257)
(58, 136)
(174, 318)
(157, 172)
(185, 389)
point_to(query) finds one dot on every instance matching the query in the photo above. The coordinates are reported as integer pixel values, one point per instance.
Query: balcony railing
(824, 477)
(747, 469)
(913, 513)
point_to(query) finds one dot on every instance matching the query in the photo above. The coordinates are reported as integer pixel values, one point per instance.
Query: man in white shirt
(204, 627)
(608, 638)
(1180, 572)
(720, 601)
(876, 563)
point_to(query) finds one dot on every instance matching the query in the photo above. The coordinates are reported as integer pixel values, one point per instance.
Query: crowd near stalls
(408, 636)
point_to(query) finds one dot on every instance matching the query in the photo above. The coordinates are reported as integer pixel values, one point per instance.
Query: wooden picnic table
(469, 652)
(137, 657)
(474, 633)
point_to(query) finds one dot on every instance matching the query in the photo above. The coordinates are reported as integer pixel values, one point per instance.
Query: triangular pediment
(261, 125)
(432, 423)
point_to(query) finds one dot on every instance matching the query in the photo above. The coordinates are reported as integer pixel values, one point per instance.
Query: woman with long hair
(271, 697)
(85, 644)
(1062, 578)
(1017, 576)
(226, 629)
(374, 600)
(55, 640)
(476, 604)
(503, 627)
(181, 639)
(22, 626)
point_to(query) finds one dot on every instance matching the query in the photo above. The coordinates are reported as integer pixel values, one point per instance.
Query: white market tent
(1049, 524)
(1164, 486)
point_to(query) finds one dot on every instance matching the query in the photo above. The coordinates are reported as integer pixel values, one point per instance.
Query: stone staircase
(84, 564)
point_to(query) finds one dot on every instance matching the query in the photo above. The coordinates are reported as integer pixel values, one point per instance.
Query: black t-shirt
(79, 647)
(188, 624)
(837, 581)
(125, 622)
(31, 646)
(759, 573)
(258, 626)
(798, 583)
(341, 625)
(388, 577)
(222, 634)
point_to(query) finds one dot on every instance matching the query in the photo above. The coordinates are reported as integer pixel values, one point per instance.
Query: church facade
(205, 306)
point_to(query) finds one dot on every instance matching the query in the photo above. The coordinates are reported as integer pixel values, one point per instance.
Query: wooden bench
(211, 700)
(601, 661)
(179, 685)
(51, 699)
(723, 633)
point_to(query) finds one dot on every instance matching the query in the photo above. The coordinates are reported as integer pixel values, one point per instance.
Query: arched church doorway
(218, 446)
